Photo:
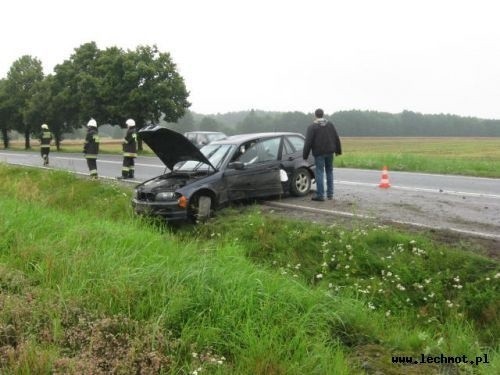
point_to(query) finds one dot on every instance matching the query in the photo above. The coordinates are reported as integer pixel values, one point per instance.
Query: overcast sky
(429, 56)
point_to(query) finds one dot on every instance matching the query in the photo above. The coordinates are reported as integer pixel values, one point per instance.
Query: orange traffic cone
(384, 181)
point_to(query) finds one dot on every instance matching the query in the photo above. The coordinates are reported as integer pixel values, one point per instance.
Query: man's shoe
(318, 199)
(330, 198)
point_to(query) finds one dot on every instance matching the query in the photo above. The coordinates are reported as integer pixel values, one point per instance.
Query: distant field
(107, 145)
(465, 156)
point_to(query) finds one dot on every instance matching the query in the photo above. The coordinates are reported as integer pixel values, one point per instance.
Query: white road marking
(334, 212)
(7, 154)
(110, 162)
(425, 190)
(348, 214)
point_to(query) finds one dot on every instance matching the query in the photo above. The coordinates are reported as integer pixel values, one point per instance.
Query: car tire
(300, 182)
(197, 202)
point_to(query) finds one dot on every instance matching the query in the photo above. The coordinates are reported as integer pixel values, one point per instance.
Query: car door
(258, 170)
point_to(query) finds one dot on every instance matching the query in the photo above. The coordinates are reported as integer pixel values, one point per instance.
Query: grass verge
(86, 287)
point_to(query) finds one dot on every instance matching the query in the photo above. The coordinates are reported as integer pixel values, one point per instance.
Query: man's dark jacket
(322, 138)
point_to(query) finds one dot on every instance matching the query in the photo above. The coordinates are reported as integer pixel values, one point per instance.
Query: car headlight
(135, 194)
(165, 196)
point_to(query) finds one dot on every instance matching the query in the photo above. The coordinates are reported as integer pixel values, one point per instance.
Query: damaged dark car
(240, 167)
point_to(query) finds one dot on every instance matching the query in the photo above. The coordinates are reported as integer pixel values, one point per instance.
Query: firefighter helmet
(45, 126)
(92, 122)
(130, 122)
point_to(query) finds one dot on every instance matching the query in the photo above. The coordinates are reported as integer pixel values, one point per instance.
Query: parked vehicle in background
(240, 167)
(202, 138)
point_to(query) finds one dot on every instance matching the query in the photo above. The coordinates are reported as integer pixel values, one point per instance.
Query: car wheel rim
(302, 182)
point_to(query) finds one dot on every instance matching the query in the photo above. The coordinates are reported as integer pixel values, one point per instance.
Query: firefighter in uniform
(91, 147)
(129, 150)
(45, 139)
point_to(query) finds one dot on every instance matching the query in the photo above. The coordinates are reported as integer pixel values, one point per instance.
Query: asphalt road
(466, 205)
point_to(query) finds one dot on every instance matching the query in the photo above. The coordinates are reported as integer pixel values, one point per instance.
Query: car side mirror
(236, 165)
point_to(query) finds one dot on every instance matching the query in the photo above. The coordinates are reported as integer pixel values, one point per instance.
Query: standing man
(129, 150)
(324, 142)
(45, 139)
(91, 147)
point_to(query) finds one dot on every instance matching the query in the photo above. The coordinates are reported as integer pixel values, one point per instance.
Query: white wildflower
(319, 276)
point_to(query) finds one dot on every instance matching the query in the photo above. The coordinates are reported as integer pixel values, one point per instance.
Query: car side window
(297, 142)
(287, 147)
(268, 149)
(247, 153)
(258, 151)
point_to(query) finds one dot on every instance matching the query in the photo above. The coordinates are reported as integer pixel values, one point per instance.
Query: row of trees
(108, 85)
(349, 123)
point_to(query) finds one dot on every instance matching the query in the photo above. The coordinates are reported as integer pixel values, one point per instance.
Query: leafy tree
(113, 85)
(45, 107)
(22, 79)
(251, 123)
(76, 88)
(6, 112)
(209, 124)
(183, 124)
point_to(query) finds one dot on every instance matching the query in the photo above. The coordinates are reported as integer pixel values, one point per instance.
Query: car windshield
(216, 154)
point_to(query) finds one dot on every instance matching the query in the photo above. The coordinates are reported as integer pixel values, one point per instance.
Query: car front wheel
(300, 183)
(200, 208)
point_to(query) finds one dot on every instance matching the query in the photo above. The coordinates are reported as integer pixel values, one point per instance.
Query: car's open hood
(171, 147)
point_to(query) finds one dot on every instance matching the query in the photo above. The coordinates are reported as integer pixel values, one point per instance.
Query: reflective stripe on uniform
(90, 156)
(130, 154)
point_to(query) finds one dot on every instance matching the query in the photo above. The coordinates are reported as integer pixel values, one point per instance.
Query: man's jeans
(324, 164)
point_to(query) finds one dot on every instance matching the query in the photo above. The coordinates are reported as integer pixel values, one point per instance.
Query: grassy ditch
(86, 287)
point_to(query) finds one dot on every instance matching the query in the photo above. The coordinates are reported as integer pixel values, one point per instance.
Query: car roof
(241, 138)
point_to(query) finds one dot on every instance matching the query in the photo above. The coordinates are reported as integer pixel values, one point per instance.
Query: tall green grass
(87, 287)
(462, 156)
